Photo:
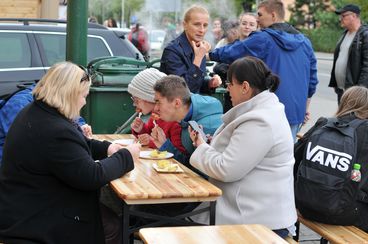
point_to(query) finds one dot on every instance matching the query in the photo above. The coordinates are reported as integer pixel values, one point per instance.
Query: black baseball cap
(350, 7)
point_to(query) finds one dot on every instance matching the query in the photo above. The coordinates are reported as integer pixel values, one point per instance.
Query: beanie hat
(142, 84)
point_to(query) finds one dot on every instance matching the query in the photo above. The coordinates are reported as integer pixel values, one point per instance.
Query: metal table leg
(125, 221)
(213, 213)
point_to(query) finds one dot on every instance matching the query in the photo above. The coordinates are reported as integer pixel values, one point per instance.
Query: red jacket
(139, 38)
(172, 131)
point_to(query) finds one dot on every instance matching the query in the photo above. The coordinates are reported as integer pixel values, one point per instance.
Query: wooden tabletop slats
(144, 183)
(218, 234)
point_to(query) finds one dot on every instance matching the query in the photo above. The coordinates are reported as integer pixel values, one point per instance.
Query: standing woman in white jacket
(251, 154)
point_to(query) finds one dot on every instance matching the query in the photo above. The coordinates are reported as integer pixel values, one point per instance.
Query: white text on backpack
(328, 157)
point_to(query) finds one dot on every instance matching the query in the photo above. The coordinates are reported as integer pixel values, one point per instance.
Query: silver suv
(27, 50)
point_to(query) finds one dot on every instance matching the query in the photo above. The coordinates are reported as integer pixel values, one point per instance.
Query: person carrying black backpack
(324, 159)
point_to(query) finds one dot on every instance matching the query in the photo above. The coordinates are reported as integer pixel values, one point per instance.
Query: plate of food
(155, 154)
(166, 166)
(124, 142)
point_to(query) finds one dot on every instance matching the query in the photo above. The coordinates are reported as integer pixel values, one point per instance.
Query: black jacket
(49, 180)
(357, 66)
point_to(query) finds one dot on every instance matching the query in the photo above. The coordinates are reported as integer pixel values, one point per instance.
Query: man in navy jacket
(287, 52)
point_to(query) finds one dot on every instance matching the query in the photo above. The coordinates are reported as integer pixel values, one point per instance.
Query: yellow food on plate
(163, 164)
(167, 166)
(158, 154)
(172, 167)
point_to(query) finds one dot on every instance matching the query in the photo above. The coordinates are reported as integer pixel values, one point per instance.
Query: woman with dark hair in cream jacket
(251, 154)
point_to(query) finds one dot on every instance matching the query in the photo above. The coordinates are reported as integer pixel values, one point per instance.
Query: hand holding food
(137, 124)
(158, 136)
(155, 117)
(144, 139)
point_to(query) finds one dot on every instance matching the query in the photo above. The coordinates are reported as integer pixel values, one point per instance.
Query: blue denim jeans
(294, 130)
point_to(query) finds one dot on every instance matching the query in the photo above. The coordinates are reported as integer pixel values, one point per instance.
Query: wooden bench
(252, 233)
(299, 135)
(290, 240)
(336, 233)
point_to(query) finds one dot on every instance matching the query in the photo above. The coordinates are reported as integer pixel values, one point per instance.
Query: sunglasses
(88, 75)
(342, 16)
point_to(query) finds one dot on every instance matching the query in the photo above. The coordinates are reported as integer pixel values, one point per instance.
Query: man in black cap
(350, 64)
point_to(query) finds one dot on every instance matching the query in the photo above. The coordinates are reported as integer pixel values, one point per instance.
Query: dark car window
(55, 49)
(96, 48)
(14, 50)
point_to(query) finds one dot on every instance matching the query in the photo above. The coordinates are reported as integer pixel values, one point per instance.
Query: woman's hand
(215, 81)
(137, 124)
(158, 136)
(113, 148)
(144, 139)
(87, 130)
(200, 49)
(196, 137)
(134, 150)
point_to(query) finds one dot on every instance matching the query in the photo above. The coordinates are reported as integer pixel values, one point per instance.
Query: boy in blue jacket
(174, 102)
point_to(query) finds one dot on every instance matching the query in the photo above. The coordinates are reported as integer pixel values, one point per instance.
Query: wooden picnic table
(144, 185)
(252, 233)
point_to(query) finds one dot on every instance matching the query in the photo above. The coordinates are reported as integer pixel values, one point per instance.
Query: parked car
(156, 38)
(28, 49)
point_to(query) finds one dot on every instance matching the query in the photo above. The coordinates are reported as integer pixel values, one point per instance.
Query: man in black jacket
(350, 65)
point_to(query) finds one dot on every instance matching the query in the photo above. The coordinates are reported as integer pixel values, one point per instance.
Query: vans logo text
(328, 157)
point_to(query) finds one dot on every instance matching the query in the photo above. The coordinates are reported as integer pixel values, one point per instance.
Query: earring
(243, 92)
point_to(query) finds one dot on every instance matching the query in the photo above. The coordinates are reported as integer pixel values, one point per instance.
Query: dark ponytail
(256, 72)
(271, 81)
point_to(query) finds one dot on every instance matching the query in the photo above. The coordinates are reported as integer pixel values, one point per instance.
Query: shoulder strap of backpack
(363, 191)
(302, 142)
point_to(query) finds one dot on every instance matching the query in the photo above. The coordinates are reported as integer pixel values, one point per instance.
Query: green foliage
(323, 39)
(131, 6)
(104, 9)
(327, 20)
(303, 12)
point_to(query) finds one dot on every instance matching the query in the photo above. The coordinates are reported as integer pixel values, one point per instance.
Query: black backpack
(324, 191)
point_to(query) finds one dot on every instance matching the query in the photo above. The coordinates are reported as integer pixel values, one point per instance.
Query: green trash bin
(107, 108)
(109, 104)
(220, 94)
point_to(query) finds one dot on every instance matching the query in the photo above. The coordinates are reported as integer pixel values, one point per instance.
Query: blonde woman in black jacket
(49, 179)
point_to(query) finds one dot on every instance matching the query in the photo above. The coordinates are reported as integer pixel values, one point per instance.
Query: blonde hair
(247, 14)
(61, 87)
(354, 100)
(194, 9)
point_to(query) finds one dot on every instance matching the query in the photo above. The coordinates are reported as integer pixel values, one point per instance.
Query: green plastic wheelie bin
(109, 104)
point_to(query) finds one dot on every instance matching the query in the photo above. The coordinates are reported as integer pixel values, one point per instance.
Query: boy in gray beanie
(141, 89)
